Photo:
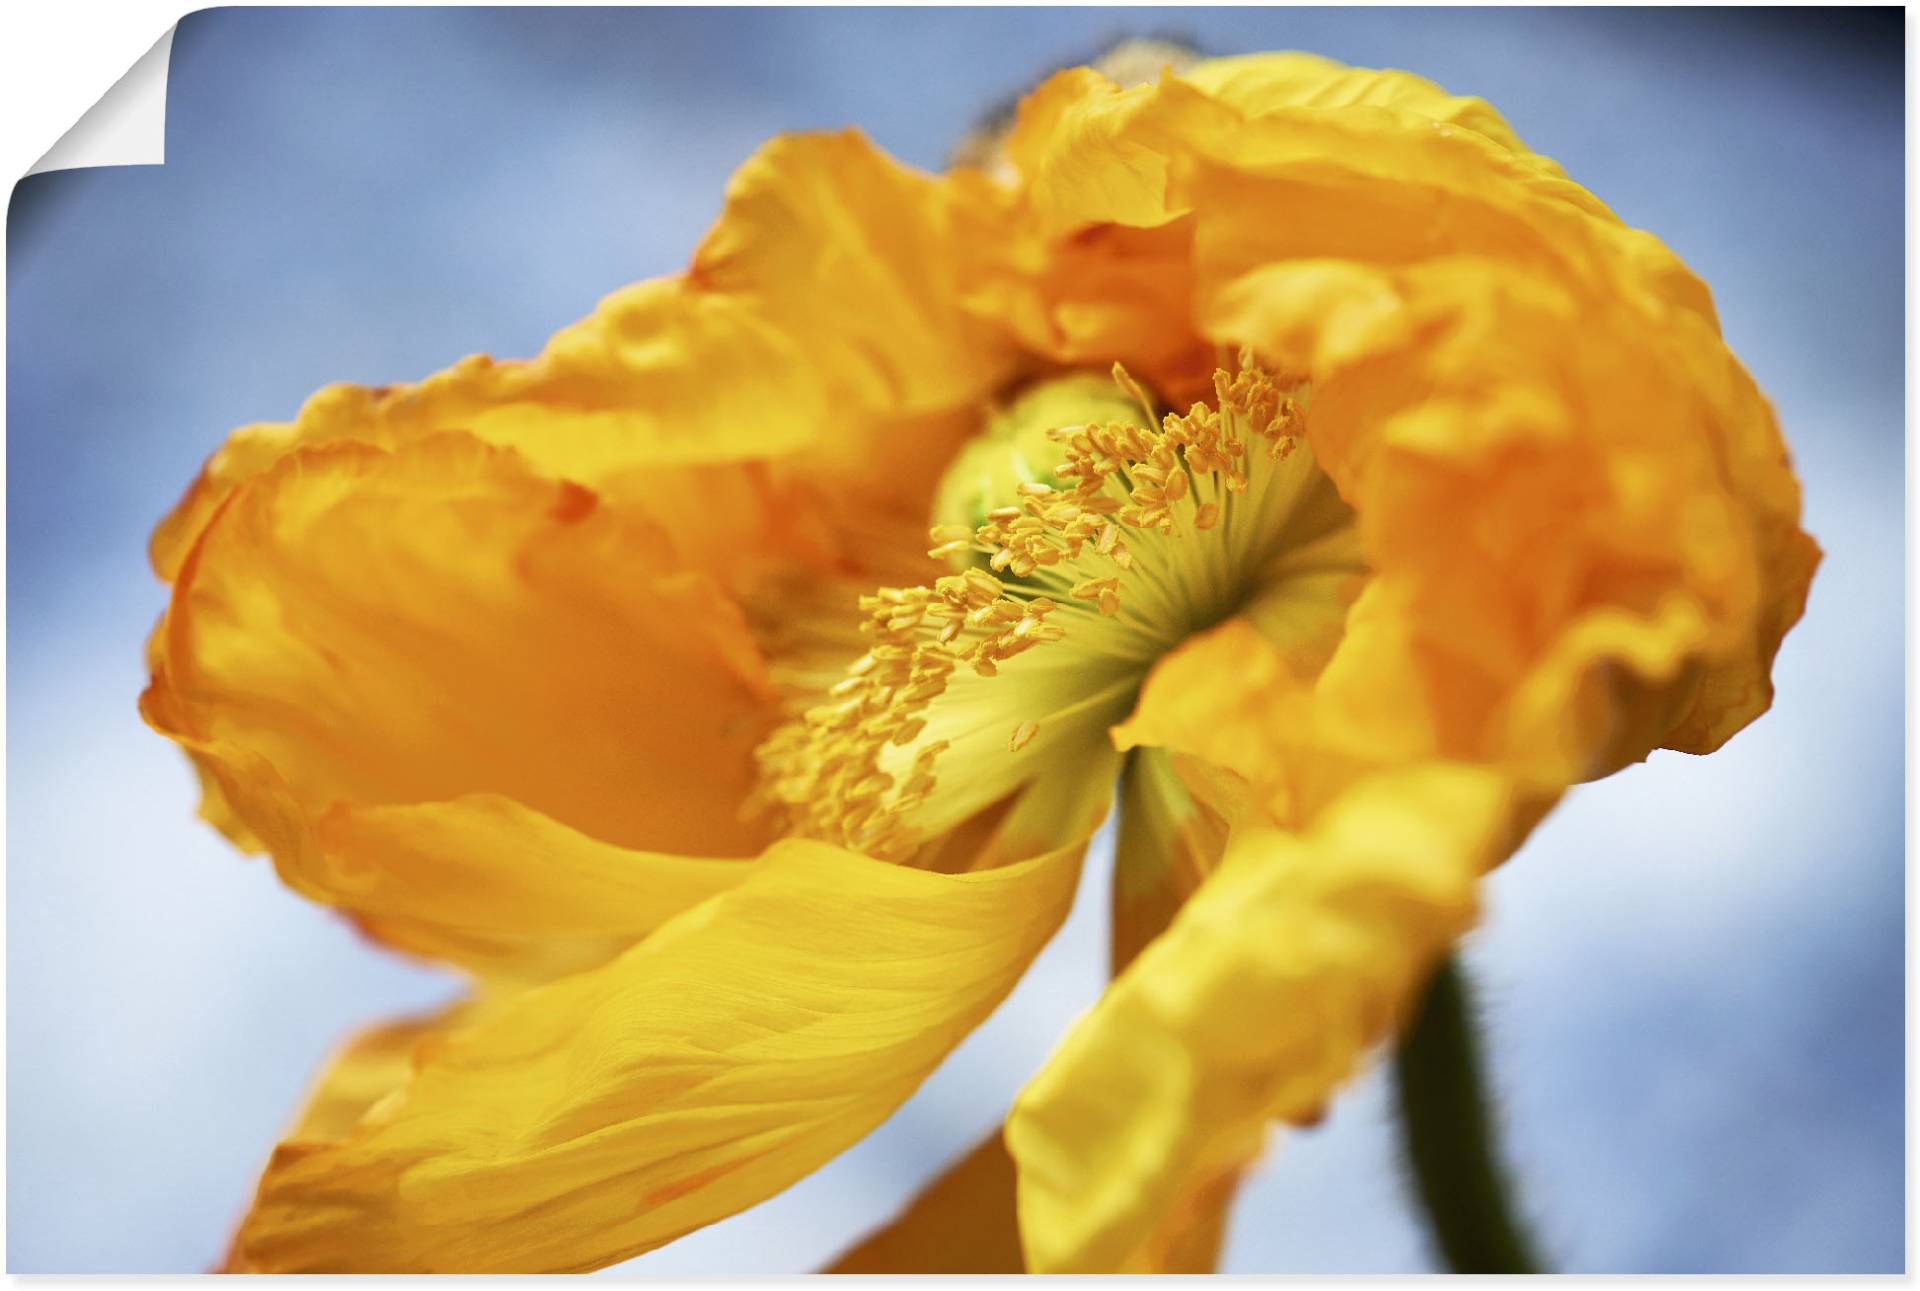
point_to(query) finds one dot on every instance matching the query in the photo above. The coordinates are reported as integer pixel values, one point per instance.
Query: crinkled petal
(416, 625)
(1091, 152)
(1565, 493)
(1366, 165)
(1758, 469)
(1085, 157)
(856, 257)
(1241, 726)
(1259, 83)
(1107, 292)
(1572, 498)
(402, 669)
(741, 1046)
(1388, 178)
(662, 374)
(821, 310)
(1297, 954)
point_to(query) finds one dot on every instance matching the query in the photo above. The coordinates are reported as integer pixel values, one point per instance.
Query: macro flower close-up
(1262, 479)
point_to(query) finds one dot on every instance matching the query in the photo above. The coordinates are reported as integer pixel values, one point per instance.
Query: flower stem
(1449, 1135)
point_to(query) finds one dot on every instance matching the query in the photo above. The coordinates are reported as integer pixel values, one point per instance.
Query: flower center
(1063, 596)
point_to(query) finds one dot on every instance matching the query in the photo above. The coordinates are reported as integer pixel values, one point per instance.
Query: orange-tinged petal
(1225, 701)
(1740, 688)
(1294, 957)
(213, 807)
(1575, 506)
(370, 1065)
(1084, 157)
(1370, 168)
(822, 310)
(965, 1221)
(1609, 690)
(1540, 467)
(1259, 83)
(488, 883)
(413, 626)
(856, 257)
(456, 860)
(1104, 293)
(1755, 462)
(1374, 186)
(661, 374)
(962, 1222)
(741, 1046)
(500, 666)
(1092, 152)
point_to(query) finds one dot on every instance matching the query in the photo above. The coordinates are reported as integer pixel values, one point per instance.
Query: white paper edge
(127, 126)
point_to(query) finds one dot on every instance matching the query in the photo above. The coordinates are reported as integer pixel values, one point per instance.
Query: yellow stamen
(1067, 545)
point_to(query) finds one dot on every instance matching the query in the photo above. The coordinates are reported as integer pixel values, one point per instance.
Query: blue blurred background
(1693, 973)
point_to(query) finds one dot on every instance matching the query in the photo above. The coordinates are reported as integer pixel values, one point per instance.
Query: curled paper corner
(127, 127)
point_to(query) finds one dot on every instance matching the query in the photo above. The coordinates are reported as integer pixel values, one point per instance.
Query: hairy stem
(1450, 1135)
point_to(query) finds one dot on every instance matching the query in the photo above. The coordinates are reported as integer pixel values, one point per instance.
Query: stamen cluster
(1125, 477)
(824, 771)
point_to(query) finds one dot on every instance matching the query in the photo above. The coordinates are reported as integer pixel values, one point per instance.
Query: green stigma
(1014, 448)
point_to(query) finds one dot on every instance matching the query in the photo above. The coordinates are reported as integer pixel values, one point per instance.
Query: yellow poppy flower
(627, 680)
